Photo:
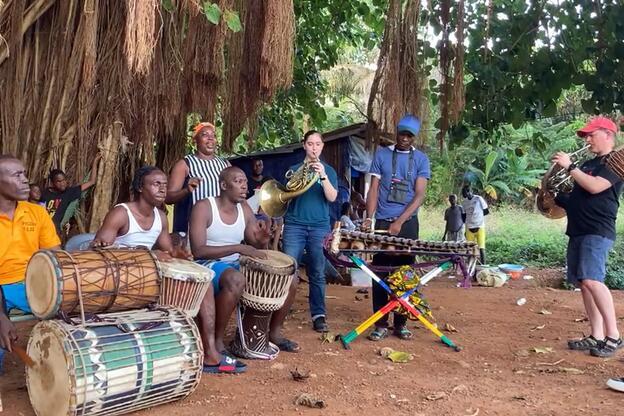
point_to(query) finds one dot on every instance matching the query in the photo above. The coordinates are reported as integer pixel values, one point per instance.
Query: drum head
(275, 259)
(186, 270)
(48, 381)
(42, 285)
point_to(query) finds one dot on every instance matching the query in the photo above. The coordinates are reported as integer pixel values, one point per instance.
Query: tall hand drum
(267, 284)
(118, 364)
(98, 280)
(184, 285)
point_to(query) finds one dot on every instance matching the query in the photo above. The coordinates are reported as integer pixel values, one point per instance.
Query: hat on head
(597, 123)
(201, 125)
(410, 124)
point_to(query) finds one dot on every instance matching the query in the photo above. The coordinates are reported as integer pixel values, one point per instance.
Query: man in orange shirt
(25, 228)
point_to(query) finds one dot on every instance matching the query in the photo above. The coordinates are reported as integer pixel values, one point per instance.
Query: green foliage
(615, 266)
(233, 21)
(212, 11)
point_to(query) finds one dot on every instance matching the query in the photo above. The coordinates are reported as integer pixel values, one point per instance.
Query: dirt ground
(496, 373)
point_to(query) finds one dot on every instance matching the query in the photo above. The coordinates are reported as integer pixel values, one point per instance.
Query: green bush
(615, 267)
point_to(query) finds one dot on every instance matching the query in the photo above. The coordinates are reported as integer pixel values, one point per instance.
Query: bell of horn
(274, 197)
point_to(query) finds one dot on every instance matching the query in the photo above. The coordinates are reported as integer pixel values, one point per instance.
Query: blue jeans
(587, 258)
(296, 238)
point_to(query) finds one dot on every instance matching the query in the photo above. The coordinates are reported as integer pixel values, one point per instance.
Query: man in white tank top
(140, 223)
(217, 229)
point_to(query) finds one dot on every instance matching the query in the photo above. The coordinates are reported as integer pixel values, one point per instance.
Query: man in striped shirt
(196, 176)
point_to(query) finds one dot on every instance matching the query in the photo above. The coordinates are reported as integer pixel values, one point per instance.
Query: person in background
(34, 196)
(475, 210)
(454, 219)
(345, 219)
(58, 196)
(256, 179)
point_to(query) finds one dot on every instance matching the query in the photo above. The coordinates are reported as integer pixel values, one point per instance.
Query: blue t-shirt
(382, 168)
(311, 208)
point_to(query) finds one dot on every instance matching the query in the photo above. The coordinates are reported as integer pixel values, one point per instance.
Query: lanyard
(409, 167)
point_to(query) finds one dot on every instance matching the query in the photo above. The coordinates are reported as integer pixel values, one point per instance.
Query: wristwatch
(323, 178)
(571, 167)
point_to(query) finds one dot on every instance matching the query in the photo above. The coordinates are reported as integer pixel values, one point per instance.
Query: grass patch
(528, 238)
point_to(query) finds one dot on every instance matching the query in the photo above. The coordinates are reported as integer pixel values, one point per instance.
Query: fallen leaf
(542, 350)
(327, 337)
(581, 320)
(299, 375)
(436, 396)
(308, 400)
(545, 312)
(571, 370)
(553, 364)
(450, 328)
(537, 328)
(400, 357)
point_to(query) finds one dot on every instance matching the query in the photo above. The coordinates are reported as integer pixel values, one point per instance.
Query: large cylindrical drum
(96, 280)
(114, 365)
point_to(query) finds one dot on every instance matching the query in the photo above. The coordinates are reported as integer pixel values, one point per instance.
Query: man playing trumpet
(592, 208)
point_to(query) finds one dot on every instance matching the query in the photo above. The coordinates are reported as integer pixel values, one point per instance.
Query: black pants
(380, 296)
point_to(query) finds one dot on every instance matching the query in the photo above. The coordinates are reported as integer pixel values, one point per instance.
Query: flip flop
(403, 333)
(228, 365)
(287, 345)
(239, 363)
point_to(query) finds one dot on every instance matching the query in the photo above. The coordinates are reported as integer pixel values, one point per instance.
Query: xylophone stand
(394, 303)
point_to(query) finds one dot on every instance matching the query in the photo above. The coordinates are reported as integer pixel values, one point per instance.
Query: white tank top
(137, 236)
(221, 234)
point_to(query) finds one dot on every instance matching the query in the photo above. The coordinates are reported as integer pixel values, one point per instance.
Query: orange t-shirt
(30, 230)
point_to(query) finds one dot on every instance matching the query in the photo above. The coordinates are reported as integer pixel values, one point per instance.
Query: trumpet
(557, 180)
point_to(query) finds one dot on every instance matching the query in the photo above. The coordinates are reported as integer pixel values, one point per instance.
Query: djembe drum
(91, 281)
(184, 284)
(267, 284)
(113, 365)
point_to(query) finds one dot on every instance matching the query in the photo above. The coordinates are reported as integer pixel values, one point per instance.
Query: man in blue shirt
(399, 181)
(306, 224)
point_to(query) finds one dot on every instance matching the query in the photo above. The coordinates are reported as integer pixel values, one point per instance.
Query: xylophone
(340, 243)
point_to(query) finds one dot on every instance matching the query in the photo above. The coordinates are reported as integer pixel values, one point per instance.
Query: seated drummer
(217, 229)
(141, 224)
(25, 228)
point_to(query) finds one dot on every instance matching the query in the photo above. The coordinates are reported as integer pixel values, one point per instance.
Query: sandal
(239, 363)
(287, 345)
(228, 365)
(378, 334)
(403, 333)
(607, 348)
(584, 344)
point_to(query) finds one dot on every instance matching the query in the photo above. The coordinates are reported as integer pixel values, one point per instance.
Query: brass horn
(556, 180)
(274, 197)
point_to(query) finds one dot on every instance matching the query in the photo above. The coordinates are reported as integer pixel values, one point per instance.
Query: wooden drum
(267, 284)
(184, 285)
(113, 365)
(105, 280)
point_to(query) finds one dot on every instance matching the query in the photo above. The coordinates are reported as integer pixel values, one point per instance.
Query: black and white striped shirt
(208, 171)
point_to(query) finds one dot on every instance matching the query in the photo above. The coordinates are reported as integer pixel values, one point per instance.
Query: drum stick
(23, 355)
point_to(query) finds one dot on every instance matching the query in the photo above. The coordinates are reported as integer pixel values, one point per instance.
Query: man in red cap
(592, 208)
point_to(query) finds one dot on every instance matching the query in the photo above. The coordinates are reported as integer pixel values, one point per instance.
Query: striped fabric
(208, 171)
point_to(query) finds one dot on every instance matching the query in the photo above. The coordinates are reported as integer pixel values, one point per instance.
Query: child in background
(453, 216)
(345, 219)
(35, 195)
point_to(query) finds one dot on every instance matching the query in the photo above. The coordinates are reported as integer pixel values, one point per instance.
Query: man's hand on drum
(100, 243)
(162, 255)
(8, 334)
(250, 251)
(181, 253)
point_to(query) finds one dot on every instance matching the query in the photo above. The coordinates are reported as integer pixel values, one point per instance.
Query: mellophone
(94, 362)
(464, 253)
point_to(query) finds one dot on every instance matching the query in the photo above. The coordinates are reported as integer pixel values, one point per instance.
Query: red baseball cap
(597, 123)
